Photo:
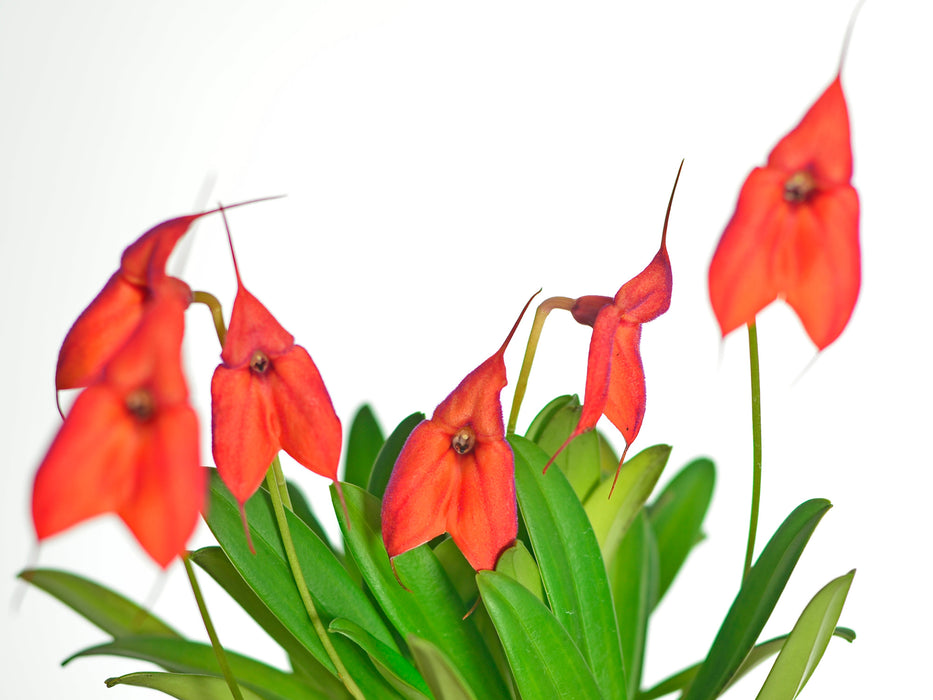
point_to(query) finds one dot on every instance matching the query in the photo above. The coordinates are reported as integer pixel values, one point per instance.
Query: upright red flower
(129, 445)
(615, 377)
(267, 395)
(456, 473)
(794, 234)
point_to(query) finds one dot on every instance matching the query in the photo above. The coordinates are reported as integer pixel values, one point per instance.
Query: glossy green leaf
(363, 445)
(516, 562)
(430, 608)
(302, 509)
(544, 659)
(611, 517)
(113, 613)
(215, 562)
(184, 656)
(807, 641)
(581, 459)
(570, 563)
(756, 599)
(441, 675)
(759, 654)
(385, 461)
(182, 686)
(677, 517)
(397, 670)
(633, 576)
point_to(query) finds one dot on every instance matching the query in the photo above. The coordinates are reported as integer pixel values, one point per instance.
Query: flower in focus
(130, 442)
(267, 395)
(456, 473)
(794, 233)
(615, 378)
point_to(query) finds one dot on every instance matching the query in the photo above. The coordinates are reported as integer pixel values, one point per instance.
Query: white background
(443, 161)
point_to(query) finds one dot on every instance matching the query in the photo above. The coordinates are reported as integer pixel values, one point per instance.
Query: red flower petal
(252, 328)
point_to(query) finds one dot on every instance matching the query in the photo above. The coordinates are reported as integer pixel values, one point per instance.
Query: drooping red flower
(456, 473)
(794, 233)
(129, 445)
(267, 395)
(115, 312)
(615, 377)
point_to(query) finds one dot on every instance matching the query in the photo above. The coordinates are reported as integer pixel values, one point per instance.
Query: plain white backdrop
(442, 161)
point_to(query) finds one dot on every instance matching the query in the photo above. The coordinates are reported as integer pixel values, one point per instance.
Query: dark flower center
(140, 403)
(259, 362)
(799, 187)
(463, 441)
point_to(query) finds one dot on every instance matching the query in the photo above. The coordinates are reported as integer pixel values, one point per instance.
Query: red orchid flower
(456, 473)
(129, 445)
(794, 233)
(615, 377)
(267, 395)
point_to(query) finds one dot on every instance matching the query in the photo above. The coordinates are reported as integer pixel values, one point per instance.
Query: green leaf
(516, 562)
(385, 461)
(571, 565)
(756, 599)
(363, 445)
(759, 654)
(807, 641)
(443, 677)
(581, 460)
(215, 562)
(396, 669)
(677, 517)
(184, 656)
(544, 659)
(430, 608)
(113, 613)
(633, 576)
(182, 686)
(611, 517)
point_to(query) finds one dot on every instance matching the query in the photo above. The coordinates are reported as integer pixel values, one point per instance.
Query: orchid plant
(473, 562)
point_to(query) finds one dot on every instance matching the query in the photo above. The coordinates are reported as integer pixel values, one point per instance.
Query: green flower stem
(756, 445)
(544, 308)
(273, 480)
(276, 474)
(211, 632)
(211, 302)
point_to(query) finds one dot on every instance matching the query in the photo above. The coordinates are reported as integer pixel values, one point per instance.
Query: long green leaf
(182, 686)
(184, 656)
(633, 576)
(363, 445)
(113, 613)
(430, 608)
(545, 661)
(442, 675)
(385, 461)
(571, 564)
(611, 516)
(756, 599)
(807, 641)
(677, 517)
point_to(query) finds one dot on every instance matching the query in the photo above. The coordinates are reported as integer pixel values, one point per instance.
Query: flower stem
(544, 308)
(211, 632)
(211, 302)
(276, 473)
(273, 480)
(756, 445)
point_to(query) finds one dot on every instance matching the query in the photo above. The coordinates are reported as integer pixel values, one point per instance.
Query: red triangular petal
(144, 260)
(625, 403)
(423, 484)
(647, 295)
(252, 328)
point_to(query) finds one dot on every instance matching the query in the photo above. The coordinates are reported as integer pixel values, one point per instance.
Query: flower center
(799, 187)
(463, 441)
(259, 362)
(140, 404)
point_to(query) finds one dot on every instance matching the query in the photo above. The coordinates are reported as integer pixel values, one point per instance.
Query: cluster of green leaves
(565, 613)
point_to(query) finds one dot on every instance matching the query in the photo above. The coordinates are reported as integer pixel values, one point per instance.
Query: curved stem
(544, 308)
(275, 471)
(275, 490)
(756, 445)
(211, 632)
(211, 302)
